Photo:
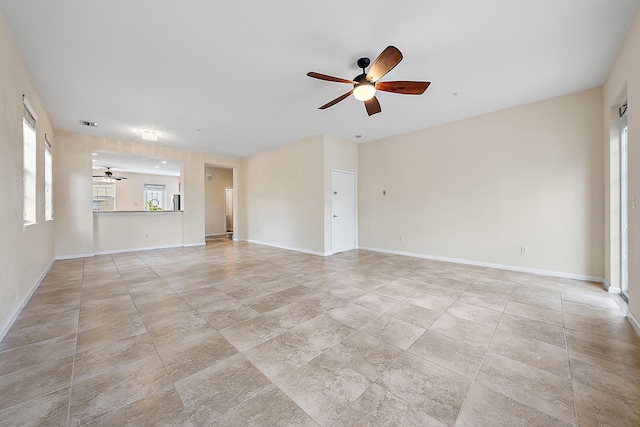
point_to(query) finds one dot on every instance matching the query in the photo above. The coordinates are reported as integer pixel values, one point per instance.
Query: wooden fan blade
(389, 58)
(328, 78)
(372, 106)
(335, 101)
(404, 87)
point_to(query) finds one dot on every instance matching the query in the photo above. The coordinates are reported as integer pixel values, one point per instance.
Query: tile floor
(236, 334)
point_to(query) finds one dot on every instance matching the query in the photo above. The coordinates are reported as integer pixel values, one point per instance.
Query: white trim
(634, 322)
(5, 329)
(491, 265)
(609, 288)
(190, 245)
(147, 248)
(289, 248)
(63, 257)
(27, 104)
(217, 234)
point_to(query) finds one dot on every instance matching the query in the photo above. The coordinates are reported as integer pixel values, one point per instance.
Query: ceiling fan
(366, 84)
(109, 177)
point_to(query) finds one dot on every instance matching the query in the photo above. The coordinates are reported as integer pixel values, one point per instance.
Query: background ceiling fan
(366, 84)
(109, 177)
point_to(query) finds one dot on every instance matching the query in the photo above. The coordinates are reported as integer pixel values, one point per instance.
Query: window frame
(29, 166)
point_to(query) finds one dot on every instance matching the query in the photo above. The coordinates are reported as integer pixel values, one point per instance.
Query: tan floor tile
(252, 332)
(451, 353)
(490, 301)
(615, 327)
(352, 315)
(21, 386)
(110, 391)
(365, 354)
(187, 358)
(532, 329)
(49, 410)
(427, 386)
(323, 388)
(35, 354)
(212, 392)
(378, 407)
(613, 350)
(539, 354)
(610, 377)
(530, 386)
(486, 408)
(322, 332)
(41, 332)
(160, 409)
(281, 355)
(271, 407)
(376, 302)
(531, 312)
(466, 331)
(111, 356)
(481, 315)
(536, 300)
(394, 331)
(597, 407)
(414, 314)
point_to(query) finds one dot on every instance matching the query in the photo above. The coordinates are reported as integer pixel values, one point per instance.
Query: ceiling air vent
(86, 123)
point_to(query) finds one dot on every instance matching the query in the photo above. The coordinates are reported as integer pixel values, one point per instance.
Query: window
(48, 180)
(29, 163)
(104, 196)
(154, 197)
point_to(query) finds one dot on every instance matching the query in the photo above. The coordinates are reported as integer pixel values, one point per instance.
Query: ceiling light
(93, 160)
(164, 161)
(363, 89)
(94, 154)
(157, 167)
(149, 134)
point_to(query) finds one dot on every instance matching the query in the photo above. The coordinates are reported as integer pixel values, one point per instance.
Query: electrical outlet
(524, 249)
(402, 238)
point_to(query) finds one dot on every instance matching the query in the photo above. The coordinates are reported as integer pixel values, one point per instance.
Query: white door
(343, 211)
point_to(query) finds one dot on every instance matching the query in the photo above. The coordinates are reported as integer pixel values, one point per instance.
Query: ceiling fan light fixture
(364, 92)
(363, 89)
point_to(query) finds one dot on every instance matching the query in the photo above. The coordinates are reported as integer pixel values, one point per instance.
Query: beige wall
(284, 198)
(287, 193)
(75, 231)
(214, 207)
(130, 191)
(478, 189)
(127, 231)
(623, 83)
(25, 256)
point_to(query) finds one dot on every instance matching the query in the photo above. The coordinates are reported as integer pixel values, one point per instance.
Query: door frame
(355, 206)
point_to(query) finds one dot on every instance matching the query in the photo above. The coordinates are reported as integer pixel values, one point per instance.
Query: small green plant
(153, 205)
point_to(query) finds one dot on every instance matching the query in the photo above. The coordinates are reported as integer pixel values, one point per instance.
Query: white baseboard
(146, 248)
(609, 288)
(73, 256)
(491, 265)
(217, 234)
(634, 322)
(190, 245)
(289, 248)
(5, 329)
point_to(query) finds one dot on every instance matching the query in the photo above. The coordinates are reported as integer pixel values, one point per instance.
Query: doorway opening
(219, 203)
(228, 211)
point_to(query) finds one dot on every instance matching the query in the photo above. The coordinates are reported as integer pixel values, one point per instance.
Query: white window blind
(29, 163)
(48, 180)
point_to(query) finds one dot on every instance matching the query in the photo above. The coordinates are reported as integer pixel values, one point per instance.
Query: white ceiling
(230, 78)
(121, 162)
